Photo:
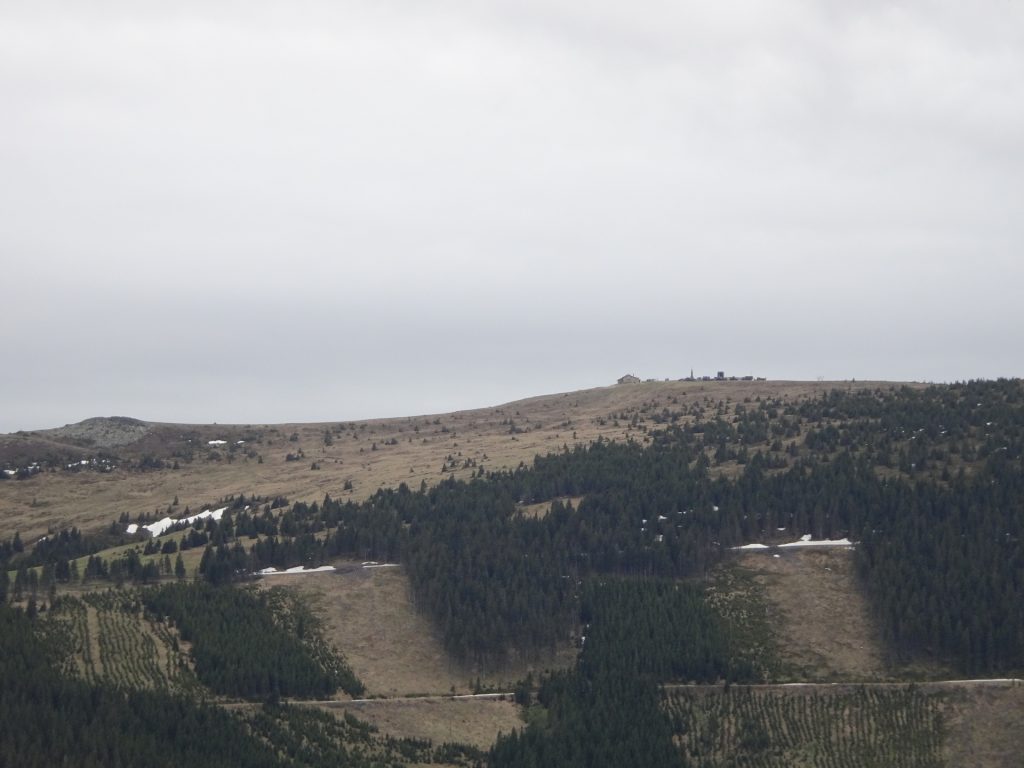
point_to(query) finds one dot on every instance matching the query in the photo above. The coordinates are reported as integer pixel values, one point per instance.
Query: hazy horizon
(427, 411)
(247, 212)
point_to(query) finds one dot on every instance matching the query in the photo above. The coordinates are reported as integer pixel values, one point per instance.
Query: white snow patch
(296, 569)
(217, 442)
(805, 541)
(160, 526)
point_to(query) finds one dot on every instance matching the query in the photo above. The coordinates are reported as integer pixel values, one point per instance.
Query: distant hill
(130, 462)
(101, 432)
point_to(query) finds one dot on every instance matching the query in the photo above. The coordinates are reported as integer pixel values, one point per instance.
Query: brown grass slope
(394, 649)
(368, 454)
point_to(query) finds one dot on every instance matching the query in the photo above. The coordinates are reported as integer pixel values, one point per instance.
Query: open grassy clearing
(985, 726)
(369, 454)
(541, 509)
(391, 647)
(819, 617)
(475, 721)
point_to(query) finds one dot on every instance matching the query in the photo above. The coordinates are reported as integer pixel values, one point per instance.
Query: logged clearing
(778, 728)
(823, 626)
(475, 721)
(392, 648)
(108, 638)
(931, 724)
(368, 454)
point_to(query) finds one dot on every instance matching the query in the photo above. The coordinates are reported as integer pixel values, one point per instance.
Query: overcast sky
(255, 211)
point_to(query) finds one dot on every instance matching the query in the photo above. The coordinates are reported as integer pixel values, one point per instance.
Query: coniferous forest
(928, 482)
(940, 544)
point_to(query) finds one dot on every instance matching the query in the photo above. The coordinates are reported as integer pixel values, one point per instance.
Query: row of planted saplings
(899, 726)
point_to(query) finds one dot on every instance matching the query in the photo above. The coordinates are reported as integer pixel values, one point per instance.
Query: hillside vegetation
(784, 729)
(619, 548)
(353, 459)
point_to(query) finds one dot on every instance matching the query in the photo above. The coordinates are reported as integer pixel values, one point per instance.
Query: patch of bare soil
(824, 627)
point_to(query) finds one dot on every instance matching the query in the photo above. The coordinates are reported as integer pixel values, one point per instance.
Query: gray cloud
(250, 212)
